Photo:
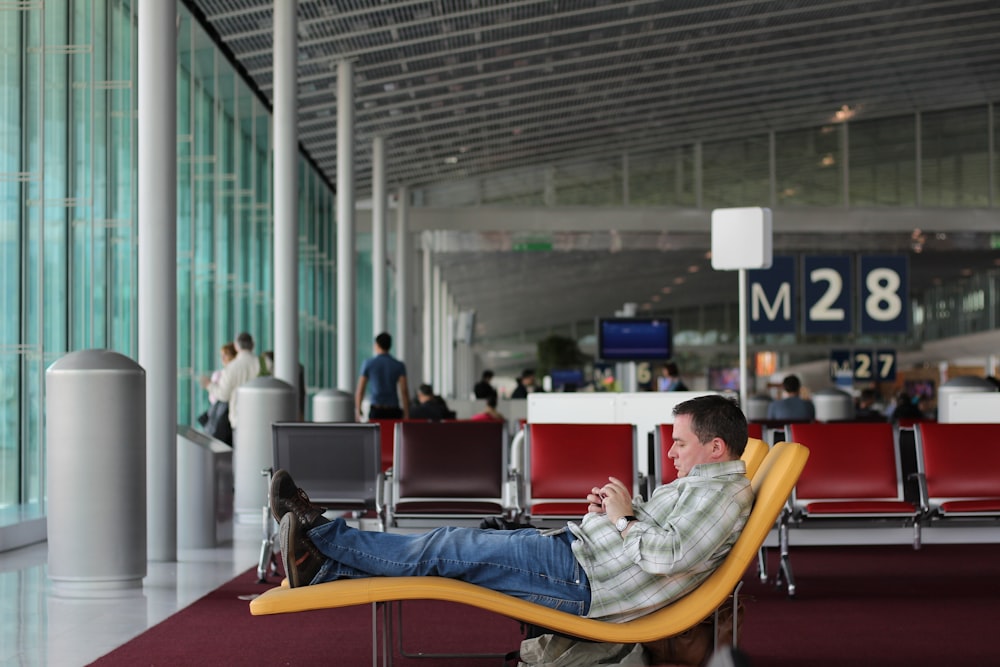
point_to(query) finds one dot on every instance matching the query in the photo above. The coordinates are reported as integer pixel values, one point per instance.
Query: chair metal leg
(785, 569)
(421, 654)
(762, 564)
(266, 563)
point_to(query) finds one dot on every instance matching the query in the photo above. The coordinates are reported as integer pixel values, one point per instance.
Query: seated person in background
(429, 405)
(906, 408)
(483, 388)
(792, 407)
(525, 384)
(490, 414)
(865, 409)
(625, 559)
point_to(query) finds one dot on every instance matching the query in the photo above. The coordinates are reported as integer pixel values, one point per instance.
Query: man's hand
(595, 500)
(617, 498)
(204, 380)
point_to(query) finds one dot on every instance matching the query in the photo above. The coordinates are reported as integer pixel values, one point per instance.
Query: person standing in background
(525, 384)
(670, 378)
(236, 373)
(383, 376)
(215, 420)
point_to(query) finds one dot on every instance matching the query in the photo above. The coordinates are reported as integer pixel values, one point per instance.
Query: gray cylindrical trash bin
(262, 401)
(963, 384)
(95, 409)
(757, 407)
(333, 405)
(832, 404)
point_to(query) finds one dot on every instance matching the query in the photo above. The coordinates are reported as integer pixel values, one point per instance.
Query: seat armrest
(645, 485)
(380, 491)
(925, 501)
(515, 493)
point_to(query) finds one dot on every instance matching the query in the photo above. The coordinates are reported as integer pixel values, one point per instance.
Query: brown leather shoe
(299, 555)
(285, 497)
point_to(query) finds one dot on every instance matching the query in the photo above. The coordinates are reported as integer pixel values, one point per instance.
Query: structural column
(428, 306)
(345, 228)
(286, 194)
(437, 331)
(157, 77)
(379, 225)
(402, 274)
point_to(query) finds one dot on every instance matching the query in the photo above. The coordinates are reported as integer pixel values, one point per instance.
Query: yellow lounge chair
(772, 483)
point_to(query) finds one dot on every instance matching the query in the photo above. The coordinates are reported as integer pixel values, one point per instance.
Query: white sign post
(741, 240)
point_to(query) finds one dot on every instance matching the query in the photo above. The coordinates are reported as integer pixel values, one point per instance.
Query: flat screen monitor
(919, 388)
(724, 378)
(336, 464)
(566, 378)
(634, 339)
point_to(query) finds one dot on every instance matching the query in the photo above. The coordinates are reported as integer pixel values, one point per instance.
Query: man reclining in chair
(625, 559)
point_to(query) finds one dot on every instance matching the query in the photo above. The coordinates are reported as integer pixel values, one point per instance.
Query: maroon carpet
(882, 606)
(855, 606)
(218, 629)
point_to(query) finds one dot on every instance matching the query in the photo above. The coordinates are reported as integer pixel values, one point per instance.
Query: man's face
(687, 452)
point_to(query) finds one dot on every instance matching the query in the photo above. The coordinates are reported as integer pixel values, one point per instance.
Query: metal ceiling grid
(461, 87)
(507, 89)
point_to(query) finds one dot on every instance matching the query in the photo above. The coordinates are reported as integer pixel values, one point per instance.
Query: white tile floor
(38, 628)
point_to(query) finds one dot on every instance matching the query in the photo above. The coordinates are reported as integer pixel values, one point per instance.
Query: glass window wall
(68, 241)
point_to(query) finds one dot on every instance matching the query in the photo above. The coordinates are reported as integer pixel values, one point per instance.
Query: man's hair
(384, 341)
(491, 400)
(715, 416)
(672, 368)
(528, 373)
(791, 384)
(244, 341)
(425, 389)
(487, 375)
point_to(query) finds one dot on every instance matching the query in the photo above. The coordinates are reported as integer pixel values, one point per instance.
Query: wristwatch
(622, 523)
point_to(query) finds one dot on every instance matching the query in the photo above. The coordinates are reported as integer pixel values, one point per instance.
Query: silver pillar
(379, 307)
(96, 463)
(437, 330)
(345, 227)
(402, 276)
(428, 305)
(157, 319)
(286, 195)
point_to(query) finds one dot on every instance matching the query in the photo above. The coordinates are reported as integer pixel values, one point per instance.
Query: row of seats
(455, 471)
(860, 474)
(460, 472)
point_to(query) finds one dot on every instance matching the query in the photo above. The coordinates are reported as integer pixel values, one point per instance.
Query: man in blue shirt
(383, 376)
(792, 407)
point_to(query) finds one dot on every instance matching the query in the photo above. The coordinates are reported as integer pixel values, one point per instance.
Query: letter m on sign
(772, 301)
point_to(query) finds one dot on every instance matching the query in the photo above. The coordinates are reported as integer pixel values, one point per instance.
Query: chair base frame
(391, 641)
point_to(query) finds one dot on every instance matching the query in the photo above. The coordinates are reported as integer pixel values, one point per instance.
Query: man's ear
(719, 449)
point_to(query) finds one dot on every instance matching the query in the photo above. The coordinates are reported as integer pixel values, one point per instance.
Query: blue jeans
(522, 563)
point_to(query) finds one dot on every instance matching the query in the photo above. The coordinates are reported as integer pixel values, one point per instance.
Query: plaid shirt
(684, 532)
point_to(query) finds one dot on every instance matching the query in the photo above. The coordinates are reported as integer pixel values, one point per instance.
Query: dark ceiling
(473, 88)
